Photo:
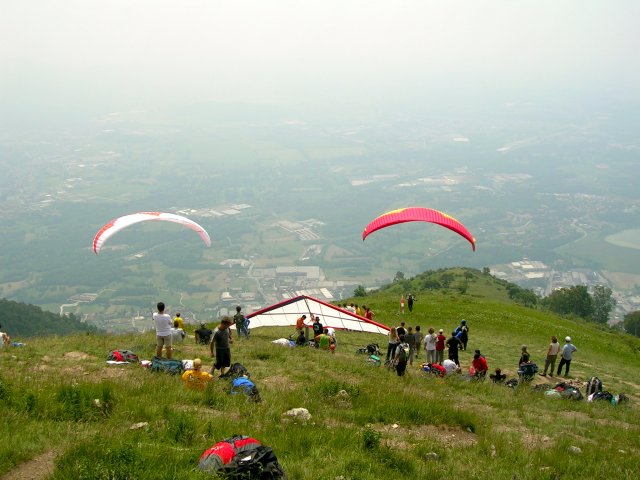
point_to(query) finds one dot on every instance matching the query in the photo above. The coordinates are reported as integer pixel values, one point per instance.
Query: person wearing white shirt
(163, 331)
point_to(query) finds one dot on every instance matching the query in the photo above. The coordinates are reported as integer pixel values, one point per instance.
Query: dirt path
(34, 469)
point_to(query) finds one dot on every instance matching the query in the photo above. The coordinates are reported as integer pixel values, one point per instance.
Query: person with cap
(196, 379)
(440, 341)
(220, 346)
(567, 354)
(202, 334)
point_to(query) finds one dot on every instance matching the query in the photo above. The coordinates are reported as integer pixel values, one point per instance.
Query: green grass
(385, 426)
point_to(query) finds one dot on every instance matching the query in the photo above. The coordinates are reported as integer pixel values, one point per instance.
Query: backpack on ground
(373, 360)
(511, 383)
(246, 386)
(594, 385)
(236, 370)
(166, 365)
(259, 463)
(599, 396)
(568, 391)
(122, 356)
(373, 349)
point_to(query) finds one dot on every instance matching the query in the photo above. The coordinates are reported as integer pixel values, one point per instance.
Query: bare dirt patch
(77, 356)
(278, 383)
(451, 437)
(34, 469)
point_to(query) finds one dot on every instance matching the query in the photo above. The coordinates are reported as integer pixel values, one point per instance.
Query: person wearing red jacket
(479, 366)
(440, 339)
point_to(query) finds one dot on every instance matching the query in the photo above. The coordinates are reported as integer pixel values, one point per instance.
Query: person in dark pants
(410, 301)
(567, 355)
(454, 343)
(464, 333)
(402, 356)
(220, 346)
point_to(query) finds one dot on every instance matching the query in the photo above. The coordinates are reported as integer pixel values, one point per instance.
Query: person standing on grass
(238, 319)
(418, 341)
(401, 329)
(454, 343)
(318, 329)
(402, 356)
(462, 332)
(410, 300)
(163, 331)
(300, 326)
(392, 344)
(368, 313)
(552, 355)
(567, 354)
(440, 344)
(430, 346)
(220, 346)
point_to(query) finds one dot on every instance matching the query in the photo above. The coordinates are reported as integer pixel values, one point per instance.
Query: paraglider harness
(241, 457)
(371, 349)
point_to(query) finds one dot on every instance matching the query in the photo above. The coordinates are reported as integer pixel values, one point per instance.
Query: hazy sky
(128, 52)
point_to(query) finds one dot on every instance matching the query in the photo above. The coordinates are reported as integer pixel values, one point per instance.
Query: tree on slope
(571, 301)
(603, 303)
(632, 323)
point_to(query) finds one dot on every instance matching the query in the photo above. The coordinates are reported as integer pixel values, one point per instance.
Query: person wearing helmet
(567, 354)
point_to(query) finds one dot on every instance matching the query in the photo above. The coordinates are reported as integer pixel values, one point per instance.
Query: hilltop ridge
(59, 398)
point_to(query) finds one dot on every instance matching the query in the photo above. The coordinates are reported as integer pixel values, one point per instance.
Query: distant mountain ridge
(21, 320)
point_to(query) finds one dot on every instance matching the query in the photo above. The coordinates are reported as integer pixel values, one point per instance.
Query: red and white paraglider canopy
(114, 226)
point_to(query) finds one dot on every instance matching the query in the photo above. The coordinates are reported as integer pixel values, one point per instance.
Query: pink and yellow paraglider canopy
(418, 214)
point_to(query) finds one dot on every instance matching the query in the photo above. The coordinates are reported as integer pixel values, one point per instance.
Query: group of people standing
(219, 340)
(434, 344)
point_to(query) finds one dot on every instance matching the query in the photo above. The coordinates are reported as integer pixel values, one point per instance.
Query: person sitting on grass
(203, 334)
(480, 366)
(324, 341)
(301, 341)
(196, 379)
(498, 376)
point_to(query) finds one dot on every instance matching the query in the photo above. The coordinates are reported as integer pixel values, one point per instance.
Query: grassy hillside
(22, 320)
(417, 426)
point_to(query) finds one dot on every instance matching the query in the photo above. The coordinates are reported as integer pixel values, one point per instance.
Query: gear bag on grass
(257, 463)
(166, 365)
(241, 457)
(122, 356)
(594, 385)
(236, 370)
